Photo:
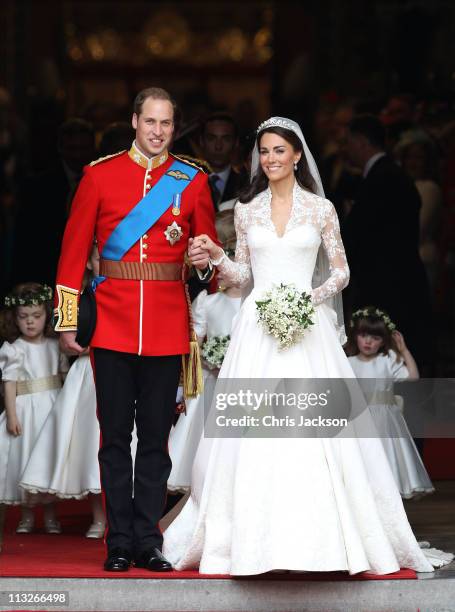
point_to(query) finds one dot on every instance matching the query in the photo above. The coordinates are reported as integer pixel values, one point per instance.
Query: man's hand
(199, 256)
(68, 344)
(200, 249)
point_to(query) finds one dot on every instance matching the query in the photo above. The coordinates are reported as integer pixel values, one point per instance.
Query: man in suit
(219, 140)
(381, 236)
(143, 206)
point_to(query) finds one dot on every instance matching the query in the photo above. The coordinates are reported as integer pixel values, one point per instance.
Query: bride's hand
(201, 248)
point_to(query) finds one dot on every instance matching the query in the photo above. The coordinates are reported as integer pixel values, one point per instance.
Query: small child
(69, 440)
(212, 316)
(32, 372)
(378, 353)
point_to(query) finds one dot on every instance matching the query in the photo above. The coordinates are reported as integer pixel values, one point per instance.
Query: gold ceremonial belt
(132, 270)
(25, 387)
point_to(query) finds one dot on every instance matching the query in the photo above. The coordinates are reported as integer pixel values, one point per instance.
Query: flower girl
(379, 354)
(66, 450)
(32, 372)
(213, 315)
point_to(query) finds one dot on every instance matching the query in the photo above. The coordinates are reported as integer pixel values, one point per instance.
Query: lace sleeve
(333, 245)
(238, 272)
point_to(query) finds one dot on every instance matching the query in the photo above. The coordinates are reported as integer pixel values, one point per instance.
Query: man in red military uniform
(143, 206)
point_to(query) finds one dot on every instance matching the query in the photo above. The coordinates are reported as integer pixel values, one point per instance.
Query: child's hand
(13, 426)
(398, 337)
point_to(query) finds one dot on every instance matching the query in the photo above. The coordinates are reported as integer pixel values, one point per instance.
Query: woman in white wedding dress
(313, 504)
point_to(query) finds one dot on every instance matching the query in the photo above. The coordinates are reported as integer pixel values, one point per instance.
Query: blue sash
(146, 212)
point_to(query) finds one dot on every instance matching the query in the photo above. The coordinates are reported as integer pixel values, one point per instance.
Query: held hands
(68, 344)
(200, 249)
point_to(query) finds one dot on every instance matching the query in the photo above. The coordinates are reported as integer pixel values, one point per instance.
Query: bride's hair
(302, 174)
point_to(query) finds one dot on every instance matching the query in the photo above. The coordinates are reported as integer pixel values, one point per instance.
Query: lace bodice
(265, 257)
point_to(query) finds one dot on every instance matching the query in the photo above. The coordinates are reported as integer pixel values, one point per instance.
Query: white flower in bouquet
(214, 349)
(285, 313)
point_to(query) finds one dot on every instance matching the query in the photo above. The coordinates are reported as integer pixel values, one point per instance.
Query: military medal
(173, 233)
(176, 204)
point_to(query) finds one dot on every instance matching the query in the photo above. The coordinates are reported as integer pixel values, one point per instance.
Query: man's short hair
(220, 116)
(156, 93)
(116, 137)
(371, 127)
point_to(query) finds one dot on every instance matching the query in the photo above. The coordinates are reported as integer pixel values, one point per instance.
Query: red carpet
(71, 555)
(438, 456)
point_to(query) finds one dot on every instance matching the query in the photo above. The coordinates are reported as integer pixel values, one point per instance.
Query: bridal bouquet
(214, 350)
(285, 313)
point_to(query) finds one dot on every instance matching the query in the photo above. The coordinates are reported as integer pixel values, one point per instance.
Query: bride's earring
(295, 166)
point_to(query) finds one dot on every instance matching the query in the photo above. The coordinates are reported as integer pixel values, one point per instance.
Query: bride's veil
(322, 268)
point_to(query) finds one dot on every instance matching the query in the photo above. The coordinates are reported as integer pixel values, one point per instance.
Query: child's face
(222, 281)
(31, 321)
(369, 344)
(94, 262)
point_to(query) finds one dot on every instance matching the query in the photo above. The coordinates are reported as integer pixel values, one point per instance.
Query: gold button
(70, 317)
(144, 256)
(70, 301)
(145, 236)
(145, 246)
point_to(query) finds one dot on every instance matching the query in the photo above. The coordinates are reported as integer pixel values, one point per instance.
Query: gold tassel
(192, 369)
(191, 364)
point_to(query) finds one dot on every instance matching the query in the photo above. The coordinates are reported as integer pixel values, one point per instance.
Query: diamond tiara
(276, 122)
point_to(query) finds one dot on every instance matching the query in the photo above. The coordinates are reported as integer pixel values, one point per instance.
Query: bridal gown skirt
(314, 504)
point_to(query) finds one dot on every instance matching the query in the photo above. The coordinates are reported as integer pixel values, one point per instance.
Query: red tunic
(143, 317)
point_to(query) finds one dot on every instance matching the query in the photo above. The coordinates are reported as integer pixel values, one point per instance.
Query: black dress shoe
(153, 560)
(118, 560)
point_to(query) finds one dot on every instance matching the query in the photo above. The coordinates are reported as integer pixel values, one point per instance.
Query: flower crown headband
(374, 312)
(30, 298)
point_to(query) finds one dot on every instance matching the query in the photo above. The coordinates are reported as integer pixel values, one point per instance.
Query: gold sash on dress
(380, 397)
(25, 387)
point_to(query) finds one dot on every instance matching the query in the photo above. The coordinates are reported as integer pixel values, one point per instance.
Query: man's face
(353, 148)
(154, 126)
(77, 150)
(218, 142)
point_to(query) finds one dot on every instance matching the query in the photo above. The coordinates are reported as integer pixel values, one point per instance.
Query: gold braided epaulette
(200, 164)
(105, 158)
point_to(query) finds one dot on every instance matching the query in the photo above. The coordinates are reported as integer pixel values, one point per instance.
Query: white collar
(370, 163)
